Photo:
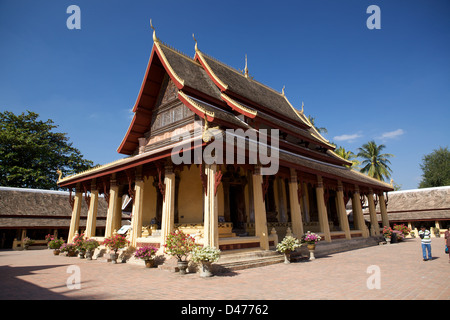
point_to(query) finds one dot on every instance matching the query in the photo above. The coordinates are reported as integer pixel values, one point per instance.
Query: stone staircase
(252, 258)
(245, 259)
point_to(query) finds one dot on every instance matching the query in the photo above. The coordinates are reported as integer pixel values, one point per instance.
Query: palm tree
(348, 155)
(321, 129)
(375, 163)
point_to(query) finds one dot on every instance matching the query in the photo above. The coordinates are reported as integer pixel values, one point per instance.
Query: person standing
(425, 235)
(447, 241)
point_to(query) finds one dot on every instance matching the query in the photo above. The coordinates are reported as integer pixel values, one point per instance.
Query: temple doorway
(237, 208)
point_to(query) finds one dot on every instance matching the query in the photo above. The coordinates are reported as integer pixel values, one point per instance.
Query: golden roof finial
(392, 182)
(282, 90)
(196, 48)
(302, 107)
(246, 67)
(154, 31)
(59, 174)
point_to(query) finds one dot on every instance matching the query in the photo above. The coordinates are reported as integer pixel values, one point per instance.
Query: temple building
(35, 213)
(205, 113)
(414, 208)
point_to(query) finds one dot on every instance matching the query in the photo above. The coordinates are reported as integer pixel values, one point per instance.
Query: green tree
(319, 129)
(348, 155)
(375, 163)
(31, 153)
(436, 169)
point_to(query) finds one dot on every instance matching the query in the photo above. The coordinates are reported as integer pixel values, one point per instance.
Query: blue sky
(390, 85)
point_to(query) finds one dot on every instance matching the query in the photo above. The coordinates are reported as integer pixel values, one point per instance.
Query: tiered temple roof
(220, 94)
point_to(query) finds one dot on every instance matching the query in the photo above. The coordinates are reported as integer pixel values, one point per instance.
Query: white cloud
(392, 134)
(347, 137)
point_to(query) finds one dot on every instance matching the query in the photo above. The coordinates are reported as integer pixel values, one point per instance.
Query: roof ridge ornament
(302, 107)
(282, 90)
(246, 67)
(155, 39)
(196, 47)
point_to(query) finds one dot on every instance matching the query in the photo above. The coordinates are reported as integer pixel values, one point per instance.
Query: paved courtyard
(38, 274)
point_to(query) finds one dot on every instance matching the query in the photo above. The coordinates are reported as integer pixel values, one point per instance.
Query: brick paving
(38, 274)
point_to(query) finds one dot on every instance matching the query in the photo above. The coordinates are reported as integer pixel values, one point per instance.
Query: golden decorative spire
(246, 67)
(302, 107)
(59, 174)
(196, 48)
(154, 32)
(282, 90)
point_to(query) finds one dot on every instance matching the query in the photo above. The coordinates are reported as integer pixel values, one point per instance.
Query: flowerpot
(114, 257)
(25, 247)
(71, 253)
(388, 240)
(56, 252)
(182, 266)
(149, 263)
(287, 257)
(311, 247)
(89, 255)
(206, 269)
(81, 254)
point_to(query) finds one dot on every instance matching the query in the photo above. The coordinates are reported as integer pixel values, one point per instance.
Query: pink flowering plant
(179, 244)
(49, 237)
(402, 228)
(78, 241)
(90, 245)
(310, 238)
(146, 253)
(387, 232)
(55, 243)
(116, 242)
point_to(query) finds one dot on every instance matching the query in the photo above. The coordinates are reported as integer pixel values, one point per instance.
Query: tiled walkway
(38, 274)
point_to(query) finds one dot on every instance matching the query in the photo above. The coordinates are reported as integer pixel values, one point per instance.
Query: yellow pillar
(113, 207)
(92, 213)
(168, 208)
(211, 215)
(375, 228)
(383, 209)
(260, 210)
(136, 219)
(76, 211)
(342, 213)
(323, 216)
(358, 216)
(306, 205)
(296, 214)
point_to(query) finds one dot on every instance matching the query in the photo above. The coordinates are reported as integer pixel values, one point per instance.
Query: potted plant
(179, 244)
(89, 246)
(114, 243)
(288, 245)
(147, 254)
(206, 256)
(404, 230)
(387, 233)
(70, 248)
(49, 238)
(311, 238)
(56, 244)
(78, 241)
(27, 242)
